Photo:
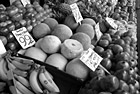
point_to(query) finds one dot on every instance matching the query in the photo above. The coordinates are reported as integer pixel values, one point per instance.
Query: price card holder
(11, 82)
(111, 22)
(23, 37)
(98, 31)
(2, 48)
(25, 2)
(76, 12)
(91, 59)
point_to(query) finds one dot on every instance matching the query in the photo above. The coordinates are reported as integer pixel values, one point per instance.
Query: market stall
(70, 47)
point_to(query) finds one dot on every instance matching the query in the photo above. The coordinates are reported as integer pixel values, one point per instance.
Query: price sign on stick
(111, 22)
(2, 48)
(25, 2)
(24, 38)
(91, 59)
(98, 31)
(76, 12)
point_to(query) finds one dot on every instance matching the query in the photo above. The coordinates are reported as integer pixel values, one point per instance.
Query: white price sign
(2, 48)
(98, 31)
(111, 22)
(24, 38)
(91, 59)
(25, 2)
(76, 12)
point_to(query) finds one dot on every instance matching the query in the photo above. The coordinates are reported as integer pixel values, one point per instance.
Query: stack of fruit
(17, 16)
(119, 51)
(125, 9)
(59, 43)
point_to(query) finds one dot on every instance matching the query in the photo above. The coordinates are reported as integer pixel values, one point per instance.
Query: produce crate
(67, 84)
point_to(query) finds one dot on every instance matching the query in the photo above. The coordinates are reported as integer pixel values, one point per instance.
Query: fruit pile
(119, 52)
(17, 16)
(125, 9)
(60, 42)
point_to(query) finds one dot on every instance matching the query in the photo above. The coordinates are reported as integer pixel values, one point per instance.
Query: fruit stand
(70, 47)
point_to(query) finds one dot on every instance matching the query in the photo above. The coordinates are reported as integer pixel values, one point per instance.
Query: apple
(103, 42)
(122, 75)
(11, 46)
(10, 37)
(123, 86)
(106, 63)
(17, 17)
(122, 65)
(11, 27)
(12, 11)
(3, 17)
(107, 54)
(99, 49)
(109, 83)
(4, 31)
(132, 89)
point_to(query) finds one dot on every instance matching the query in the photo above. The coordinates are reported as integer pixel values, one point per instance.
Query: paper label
(111, 22)
(2, 48)
(25, 2)
(98, 31)
(91, 59)
(23, 37)
(76, 12)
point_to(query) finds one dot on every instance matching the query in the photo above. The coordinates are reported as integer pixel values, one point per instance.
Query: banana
(33, 80)
(50, 79)
(12, 89)
(18, 92)
(23, 60)
(46, 83)
(22, 88)
(3, 75)
(20, 72)
(21, 66)
(11, 66)
(47, 74)
(5, 67)
(22, 80)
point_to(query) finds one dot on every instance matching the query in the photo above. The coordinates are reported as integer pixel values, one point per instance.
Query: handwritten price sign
(111, 22)
(98, 31)
(91, 59)
(25, 2)
(24, 38)
(76, 12)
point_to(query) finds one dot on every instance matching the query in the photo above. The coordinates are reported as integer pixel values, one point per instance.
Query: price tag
(23, 37)
(2, 48)
(76, 12)
(25, 2)
(98, 31)
(111, 22)
(91, 59)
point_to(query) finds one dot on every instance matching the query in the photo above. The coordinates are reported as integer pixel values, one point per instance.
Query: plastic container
(67, 84)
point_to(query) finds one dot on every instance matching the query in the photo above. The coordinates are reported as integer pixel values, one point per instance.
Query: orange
(50, 44)
(41, 30)
(62, 31)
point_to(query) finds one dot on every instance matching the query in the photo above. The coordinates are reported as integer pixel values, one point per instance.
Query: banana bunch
(3, 70)
(41, 81)
(19, 66)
